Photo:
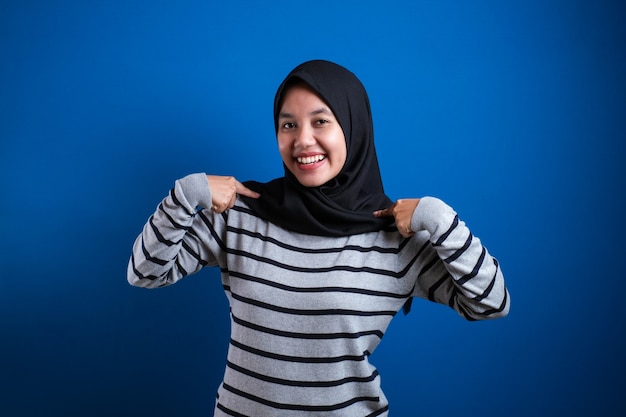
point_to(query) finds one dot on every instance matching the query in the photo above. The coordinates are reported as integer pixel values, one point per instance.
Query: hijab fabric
(344, 205)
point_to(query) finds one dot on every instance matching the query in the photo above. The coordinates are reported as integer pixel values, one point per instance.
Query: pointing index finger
(387, 212)
(243, 190)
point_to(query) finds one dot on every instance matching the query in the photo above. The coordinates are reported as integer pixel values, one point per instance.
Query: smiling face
(310, 139)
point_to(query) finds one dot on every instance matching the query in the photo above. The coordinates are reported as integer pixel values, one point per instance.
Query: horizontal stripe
(301, 384)
(177, 202)
(319, 269)
(474, 272)
(209, 225)
(301, 312)
(233, 413)
(351, 290)
(298, 407)
(379, 412)
(500, 308)
(433, 288)
(299, 359)
(193, 253)
(149, 257)
(230, 412)
(356, 248)
(314, 336)
(443, 237)
(431, 263)
(324, 270)
(459, 251)
(181, 270)
(139, 274)
(487, 290)
(173, 222)
(158, 234)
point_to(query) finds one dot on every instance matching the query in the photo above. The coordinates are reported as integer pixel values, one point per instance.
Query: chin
(309, 183)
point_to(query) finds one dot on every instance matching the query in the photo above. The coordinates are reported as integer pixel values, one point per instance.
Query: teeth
(310, 159)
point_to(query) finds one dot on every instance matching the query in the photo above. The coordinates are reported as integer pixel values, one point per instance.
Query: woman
(315, 264)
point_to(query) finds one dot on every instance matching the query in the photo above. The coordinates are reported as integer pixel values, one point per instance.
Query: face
(310, 139)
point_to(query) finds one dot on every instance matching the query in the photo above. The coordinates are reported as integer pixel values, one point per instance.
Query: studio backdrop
(511, 112)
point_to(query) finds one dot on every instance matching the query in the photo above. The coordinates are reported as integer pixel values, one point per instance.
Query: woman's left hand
(402, 211)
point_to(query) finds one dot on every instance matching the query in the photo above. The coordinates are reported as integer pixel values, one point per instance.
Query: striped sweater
(307, 311)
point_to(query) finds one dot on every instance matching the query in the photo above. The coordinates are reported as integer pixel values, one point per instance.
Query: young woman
(315, 264)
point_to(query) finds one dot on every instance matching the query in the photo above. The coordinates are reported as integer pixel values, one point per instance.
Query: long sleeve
(175, 241)
(464, 275)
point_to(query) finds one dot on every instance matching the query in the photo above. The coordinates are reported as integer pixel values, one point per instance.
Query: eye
(321, 121)
(288, 125)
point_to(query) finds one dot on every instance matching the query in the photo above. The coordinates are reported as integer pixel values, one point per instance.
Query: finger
(243, 190)
(388, 212)
(222, 204)
(231, 203)
(405, 231)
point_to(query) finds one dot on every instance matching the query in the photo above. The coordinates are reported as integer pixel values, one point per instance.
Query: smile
(307, 160)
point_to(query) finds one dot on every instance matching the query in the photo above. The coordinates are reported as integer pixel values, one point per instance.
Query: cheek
(341, 148)
(345, 157)
(284, 149)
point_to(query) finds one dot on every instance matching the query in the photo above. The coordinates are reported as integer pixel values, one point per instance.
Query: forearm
(474, 284)
(168, 249)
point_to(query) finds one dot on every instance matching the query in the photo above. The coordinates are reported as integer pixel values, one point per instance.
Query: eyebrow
(321, 110)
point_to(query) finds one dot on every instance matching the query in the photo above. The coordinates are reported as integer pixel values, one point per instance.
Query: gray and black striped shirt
(307, 311)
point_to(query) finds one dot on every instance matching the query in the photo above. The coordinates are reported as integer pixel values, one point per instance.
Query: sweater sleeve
(177, 239)
(463, 274)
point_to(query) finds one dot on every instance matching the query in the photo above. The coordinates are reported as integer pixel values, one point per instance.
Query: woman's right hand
(224, 190)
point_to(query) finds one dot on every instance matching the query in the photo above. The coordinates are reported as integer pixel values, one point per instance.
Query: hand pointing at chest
(224, 190)
(402, 211)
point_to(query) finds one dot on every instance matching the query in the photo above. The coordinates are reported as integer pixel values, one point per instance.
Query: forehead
(301, 96)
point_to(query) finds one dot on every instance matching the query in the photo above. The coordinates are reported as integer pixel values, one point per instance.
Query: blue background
(513, 112)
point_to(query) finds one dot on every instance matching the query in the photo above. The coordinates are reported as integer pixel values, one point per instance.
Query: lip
(305, 154)
(313, 165)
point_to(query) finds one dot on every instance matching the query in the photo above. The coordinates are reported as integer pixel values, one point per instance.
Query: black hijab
(344, 205)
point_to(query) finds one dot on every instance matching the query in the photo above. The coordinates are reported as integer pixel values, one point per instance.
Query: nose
(304, 137)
